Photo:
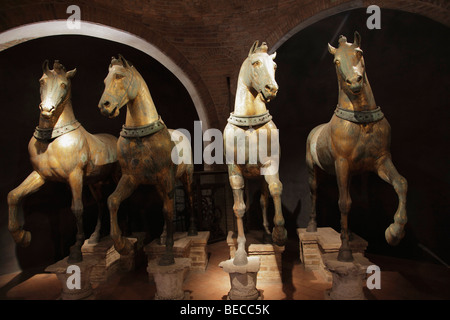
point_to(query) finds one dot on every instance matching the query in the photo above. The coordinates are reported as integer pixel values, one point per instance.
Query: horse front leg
(345, 203)
(30, 185)
(166, 190)
(264, 202)
(124, 189)
(387, 171)
(279, 234)
(96, 192)
(76, 186)
(237, 185)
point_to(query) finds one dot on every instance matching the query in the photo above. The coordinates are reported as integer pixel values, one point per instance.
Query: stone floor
(400, 280)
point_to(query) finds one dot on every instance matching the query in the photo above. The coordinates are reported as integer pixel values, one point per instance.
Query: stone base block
(270, 255)
(243, 279)
(313, 245)
(75, 278)
(198, 251)
(169, 279)
(348, 277)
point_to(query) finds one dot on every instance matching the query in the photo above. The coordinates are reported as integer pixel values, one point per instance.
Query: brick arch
(129, 33)
(433, 9)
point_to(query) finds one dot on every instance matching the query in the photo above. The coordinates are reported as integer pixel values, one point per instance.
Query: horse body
(355, 140)
(256, 86)
(63, 151)
(144, 158)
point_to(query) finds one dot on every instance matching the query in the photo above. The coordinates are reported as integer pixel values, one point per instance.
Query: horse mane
(58, 67)
(120, 61)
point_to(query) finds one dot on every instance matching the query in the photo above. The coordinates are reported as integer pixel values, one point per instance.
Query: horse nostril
(359, 79)
(106, 103)
(348, 81)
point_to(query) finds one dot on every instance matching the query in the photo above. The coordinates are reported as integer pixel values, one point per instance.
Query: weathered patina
(355, 140)
(144, 151)
(62, 150)
(256, 86)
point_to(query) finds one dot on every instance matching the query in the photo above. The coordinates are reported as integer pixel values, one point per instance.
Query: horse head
(349, 62)
(54, 87)
(120, 87)
(258, 72)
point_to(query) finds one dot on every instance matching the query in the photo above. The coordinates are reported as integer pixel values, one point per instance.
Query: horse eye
(256, 63)
(63, 85)
(119, 76)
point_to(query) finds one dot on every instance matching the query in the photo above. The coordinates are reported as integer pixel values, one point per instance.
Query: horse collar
(52, 133)
(360, 116)
(249, 121)
(142, 131)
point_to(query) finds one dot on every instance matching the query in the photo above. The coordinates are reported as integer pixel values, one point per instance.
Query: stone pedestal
(198, 252)
(313, 245)
(348, 277)
(181, 249)
(169, 279)
(243, 279)
(73, 292)
(109, 260)
(270, 255)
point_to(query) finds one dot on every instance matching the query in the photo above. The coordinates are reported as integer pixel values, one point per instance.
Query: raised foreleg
(30, 185)
(387, 171)
(124, 189)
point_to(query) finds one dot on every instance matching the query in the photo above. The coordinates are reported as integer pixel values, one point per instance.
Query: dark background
(407, 66)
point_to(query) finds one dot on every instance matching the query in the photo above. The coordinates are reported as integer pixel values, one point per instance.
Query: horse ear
(253, 48)
(45, 67)
(273, 55)
(331, 49)
(124, 61)
(70, 74)
(357, 39)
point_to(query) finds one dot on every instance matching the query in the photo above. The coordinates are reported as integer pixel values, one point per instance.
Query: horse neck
(62, 116)
(141, 110)
(247, 103)
(363, 101)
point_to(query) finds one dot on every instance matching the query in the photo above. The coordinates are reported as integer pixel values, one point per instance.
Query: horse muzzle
(108, 110)
(269, 92)
(46, 112)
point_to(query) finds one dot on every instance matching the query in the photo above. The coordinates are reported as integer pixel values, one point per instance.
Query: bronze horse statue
(62, 150)
(256, 86)
(355, 140)
(144, 151)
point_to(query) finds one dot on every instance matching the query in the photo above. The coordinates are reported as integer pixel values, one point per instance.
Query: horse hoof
(394, 234)
(279, 236)
(240, 259)
(21, 237)
(123, 246)
(166, 260)
(345, 255)
(94, 238)
(75, 255)
(312, 227)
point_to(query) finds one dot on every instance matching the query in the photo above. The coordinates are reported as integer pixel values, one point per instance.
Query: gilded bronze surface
(145, 159)
(73, 156)
(344, 148)
(256, 86)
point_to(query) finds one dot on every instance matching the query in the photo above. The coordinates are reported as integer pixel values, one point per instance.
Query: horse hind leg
(264, 202)
(187, 180)
(30, 185)
(313, 183)
(387, 171)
